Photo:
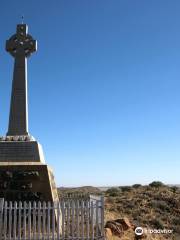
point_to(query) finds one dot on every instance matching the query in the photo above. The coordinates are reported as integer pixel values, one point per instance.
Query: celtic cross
(21, 45)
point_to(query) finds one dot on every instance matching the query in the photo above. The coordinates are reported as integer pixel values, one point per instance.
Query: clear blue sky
(104, 87)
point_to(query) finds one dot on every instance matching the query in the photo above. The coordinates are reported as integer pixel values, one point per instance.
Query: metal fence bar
(24, 220)
(44, 220)
(68, 219)
(53, 220)
(39, 220)
(10, 220)
(34, 220)
(58, 218)
(29, 220)
(15, 221)
(82, 219)
(87, 218)
(102, 217)
(1, 216)
(5, 220)
(63, 218)
(77, 218)
(97, 222)
(19, 220)
(92, 221)
(48, 221)
(72, 218)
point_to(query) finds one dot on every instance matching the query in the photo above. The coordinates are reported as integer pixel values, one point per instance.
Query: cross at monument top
(21, 43)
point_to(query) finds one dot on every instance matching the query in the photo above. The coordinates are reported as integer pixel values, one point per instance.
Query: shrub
(176, 230)
(174, 189)
(113, 192)
(156, 184)
(176, 221)
(162, 205)
(157, 223)
(125, 188)
(136, 185)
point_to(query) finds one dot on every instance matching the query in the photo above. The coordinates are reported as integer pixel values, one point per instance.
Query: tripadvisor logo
(139, 231)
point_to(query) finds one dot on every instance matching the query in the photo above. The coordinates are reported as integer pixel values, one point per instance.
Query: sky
(103, 87)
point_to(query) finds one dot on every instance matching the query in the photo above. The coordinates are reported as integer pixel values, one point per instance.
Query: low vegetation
(155, 206)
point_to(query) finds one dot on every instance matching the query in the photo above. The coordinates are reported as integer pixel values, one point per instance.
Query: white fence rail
(66, 220)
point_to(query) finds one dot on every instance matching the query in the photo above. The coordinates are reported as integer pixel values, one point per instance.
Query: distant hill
(79, 190)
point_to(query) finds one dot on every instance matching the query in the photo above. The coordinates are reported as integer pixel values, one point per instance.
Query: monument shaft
(18, 118)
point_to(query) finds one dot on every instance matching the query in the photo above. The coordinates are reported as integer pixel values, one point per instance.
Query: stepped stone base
(27, 182)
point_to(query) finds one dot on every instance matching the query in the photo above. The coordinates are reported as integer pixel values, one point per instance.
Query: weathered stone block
(27, 182)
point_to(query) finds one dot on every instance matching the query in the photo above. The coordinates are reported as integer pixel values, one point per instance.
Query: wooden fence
(66, 220)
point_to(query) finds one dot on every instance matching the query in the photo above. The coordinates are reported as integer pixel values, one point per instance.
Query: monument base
(15, 149)
(27, 182)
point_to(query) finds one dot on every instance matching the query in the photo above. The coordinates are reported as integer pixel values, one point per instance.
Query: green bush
(157, 223)
(113, 192)
(162, 205)
(176, 221)
(136, 185)
(176, 230)
(126, 188)
(156, 184)
(174, 189)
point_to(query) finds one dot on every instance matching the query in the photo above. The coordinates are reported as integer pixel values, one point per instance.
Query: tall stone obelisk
(23, 172)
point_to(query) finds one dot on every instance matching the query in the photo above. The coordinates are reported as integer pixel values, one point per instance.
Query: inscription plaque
(21, 152)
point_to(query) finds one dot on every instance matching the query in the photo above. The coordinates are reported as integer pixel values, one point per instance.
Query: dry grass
(153, 206)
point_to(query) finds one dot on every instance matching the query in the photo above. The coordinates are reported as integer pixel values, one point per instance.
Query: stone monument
(23, 172)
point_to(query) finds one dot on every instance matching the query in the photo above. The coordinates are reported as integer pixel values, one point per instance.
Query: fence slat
(77, 218)
(53, 220)
(48, 222)
(87, 218)
(72, 217)
(92, 221)
(97, 219)
(29, 220)
(68, 219)
(102, 216)
(15, 221)
(34, 220)
(44, 220)
(82, 219)
(39, 221)
(24, 220)
(5, 220)
(63, 218)
(19, 220)
(10, 221)
(1, 216)
(58, 219)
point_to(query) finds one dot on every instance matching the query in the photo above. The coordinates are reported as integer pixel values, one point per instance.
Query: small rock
(124, 222)
(116, 228)
(108, 233)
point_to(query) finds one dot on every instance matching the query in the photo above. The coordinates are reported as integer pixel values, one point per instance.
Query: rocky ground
(155, 206)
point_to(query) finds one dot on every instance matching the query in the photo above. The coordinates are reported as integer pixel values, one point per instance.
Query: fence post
(1, 215)
(102, 216)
